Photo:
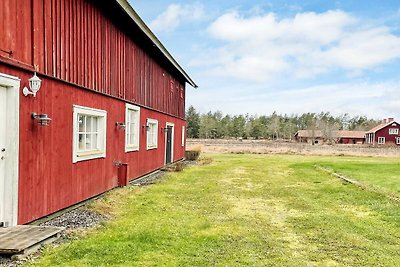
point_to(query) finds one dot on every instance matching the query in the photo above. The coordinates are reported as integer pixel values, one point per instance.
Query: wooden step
(19, 241)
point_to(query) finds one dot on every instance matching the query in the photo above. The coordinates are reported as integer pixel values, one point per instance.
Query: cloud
(175, 15)
(355, 98)
(263, 47)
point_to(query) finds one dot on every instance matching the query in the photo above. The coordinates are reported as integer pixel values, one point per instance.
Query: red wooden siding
(384, 132)
(48, 181)
(73, 40)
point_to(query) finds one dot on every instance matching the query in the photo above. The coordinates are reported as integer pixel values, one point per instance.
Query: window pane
(95, 141)
(81, 142)
(128, 117)
(132, 115)
(153, 132)
(88, 142)
(88, 124)
(132, 128)
(95, 124)
(131, 139)
(81, 123)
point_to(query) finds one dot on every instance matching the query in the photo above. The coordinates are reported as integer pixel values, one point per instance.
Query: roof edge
(142, 25)
(381, 127)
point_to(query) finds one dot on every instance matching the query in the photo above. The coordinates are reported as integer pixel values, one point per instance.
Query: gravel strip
(78, 218)
(158, 175)
(83, 218)
(148, 179)
(7, 262)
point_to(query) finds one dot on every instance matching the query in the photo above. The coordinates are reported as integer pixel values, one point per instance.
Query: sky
(291, 57)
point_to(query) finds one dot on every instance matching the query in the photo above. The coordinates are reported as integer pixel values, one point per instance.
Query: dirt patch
(357, 211)
(273, 211)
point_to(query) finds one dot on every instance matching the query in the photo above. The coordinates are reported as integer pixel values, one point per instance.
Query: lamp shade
(34, 83)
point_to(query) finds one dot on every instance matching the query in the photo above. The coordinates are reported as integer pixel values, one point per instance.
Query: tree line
(275, 126)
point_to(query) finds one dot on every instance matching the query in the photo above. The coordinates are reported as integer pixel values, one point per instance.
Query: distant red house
(341, 137)
(388, 132)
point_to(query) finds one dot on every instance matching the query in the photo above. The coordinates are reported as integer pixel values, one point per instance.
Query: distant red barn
(113, 92)
(351, 137)
(388, 132)
(341, 137)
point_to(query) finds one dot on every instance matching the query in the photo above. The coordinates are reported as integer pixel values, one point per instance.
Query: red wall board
(48, 180)
(74, 40)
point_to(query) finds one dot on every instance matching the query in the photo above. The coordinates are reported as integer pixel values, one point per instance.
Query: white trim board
(12, 85)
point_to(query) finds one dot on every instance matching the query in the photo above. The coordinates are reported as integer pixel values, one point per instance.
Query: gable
(389, 129)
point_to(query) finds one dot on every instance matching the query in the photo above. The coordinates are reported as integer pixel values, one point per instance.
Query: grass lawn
(382, 173)
(248, 210)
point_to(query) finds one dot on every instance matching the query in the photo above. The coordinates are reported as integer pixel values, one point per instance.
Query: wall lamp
(120, 125)
(34, 85)
(42, 119)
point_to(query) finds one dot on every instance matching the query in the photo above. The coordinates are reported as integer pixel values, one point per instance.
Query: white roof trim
(135, 17)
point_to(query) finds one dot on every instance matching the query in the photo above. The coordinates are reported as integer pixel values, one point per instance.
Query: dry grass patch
(244, 210)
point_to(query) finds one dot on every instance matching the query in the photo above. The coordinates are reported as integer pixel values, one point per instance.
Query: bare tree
(329, 131)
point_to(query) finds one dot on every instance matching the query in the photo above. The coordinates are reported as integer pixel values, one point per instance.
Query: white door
(3, 148)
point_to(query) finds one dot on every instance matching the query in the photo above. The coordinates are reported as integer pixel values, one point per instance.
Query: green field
(249, 210)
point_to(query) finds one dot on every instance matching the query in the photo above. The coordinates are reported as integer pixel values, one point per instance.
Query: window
(132, 130)
(397, 140)
(152, 133)
(381, 140)
(183, 135)
(393, 131)
(89, 133)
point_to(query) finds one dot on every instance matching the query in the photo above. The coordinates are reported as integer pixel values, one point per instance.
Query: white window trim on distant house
(183, 135)
(381, 140)
(393, 131)
(152, 134)
(397, 140)
(96, 136)
(132, 128)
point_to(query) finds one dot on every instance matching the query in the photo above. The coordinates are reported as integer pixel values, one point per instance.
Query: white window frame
(393, 131)
(135, 145)
(150, 145)
(381, 140)
(102, 134)
(183, 135)
(397, 140)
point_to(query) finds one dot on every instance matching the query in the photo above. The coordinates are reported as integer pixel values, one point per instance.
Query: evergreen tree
(193, 123)
(275, 126)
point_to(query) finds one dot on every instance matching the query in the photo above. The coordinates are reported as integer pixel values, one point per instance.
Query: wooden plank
(19, 238)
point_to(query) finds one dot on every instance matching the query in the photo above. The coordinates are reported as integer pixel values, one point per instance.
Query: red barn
(340, 137)
(351, 137)
(114, 95)
(385, 133)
